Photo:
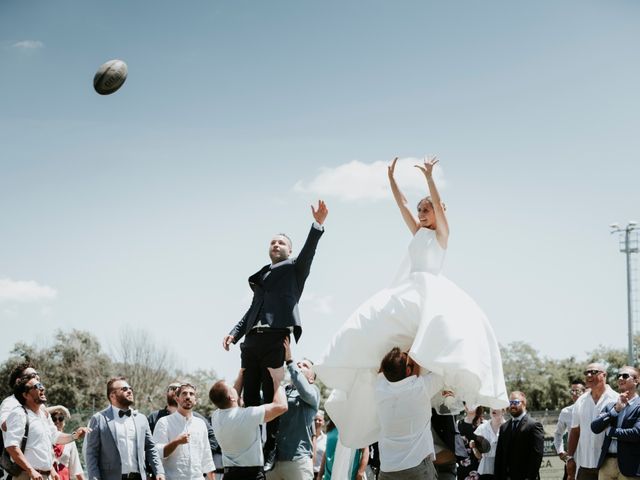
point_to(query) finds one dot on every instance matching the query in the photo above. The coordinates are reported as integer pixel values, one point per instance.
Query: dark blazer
(628, 436)
(278, 294)
(101, 452)
(447, 430)
(519, 452)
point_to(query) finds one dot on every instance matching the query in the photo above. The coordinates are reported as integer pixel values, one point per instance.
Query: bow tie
(122, 413)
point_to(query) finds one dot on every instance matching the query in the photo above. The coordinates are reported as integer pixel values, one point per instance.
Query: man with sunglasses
(520, 443)
(584, 446)
(11, 402)
(120, 441)
(564, 422)
(36, 458)
(182, 438)
(620, 454)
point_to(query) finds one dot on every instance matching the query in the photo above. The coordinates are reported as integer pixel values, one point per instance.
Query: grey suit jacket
(101, 454)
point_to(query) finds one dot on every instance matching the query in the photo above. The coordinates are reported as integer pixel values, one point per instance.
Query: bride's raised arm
(407, 216)
(442, 226)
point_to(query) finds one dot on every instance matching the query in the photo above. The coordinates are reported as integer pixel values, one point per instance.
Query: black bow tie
(122, 413)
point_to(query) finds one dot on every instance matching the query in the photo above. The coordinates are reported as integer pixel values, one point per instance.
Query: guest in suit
(272, 316)
(120, 440)
(520, 443)
(620, 455)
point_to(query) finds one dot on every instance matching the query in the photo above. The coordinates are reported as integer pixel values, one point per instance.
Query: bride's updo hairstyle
(429, 201)
(394, 365)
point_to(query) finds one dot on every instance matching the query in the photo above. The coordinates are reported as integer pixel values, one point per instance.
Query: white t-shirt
(238, 432)
(585, 411)
(404, 410)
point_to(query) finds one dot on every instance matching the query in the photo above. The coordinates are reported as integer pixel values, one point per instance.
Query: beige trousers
(610, 471)
(301, 469)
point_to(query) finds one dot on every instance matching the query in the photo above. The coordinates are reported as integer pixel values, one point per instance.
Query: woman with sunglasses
(423, 313)
(67, 460)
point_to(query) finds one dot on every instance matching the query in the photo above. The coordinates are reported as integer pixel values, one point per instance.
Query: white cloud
(28, 44)
(317, 303)
(24, 291)
(356, 180)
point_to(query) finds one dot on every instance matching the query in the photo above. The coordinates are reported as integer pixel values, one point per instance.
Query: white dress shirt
(188, 461)
(404, 410)
(585, 411)
(42, 436)
(564, 424)
(126, 441)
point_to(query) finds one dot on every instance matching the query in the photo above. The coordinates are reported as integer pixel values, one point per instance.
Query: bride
(421, 312)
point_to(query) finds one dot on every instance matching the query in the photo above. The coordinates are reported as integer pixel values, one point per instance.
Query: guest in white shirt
(238, 429)
(584, 446)
(183, 440)
(403, 396)
(36, 460)
(564, 419)
(490, 431)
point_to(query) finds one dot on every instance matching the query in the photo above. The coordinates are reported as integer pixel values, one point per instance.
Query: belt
(279, 331)
(44, 472)
(611, 455)
(131, 476)
(243, 469)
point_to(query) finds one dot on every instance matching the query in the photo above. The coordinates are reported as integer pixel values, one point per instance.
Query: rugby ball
(110, 77)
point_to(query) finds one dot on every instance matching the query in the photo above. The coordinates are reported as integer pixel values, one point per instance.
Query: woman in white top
(489, 430)
(67, 460)
(422, 312)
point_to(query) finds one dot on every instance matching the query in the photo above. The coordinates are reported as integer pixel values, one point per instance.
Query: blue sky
(151, 207)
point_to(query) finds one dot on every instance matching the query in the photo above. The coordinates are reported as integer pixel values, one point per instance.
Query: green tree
(73, 369)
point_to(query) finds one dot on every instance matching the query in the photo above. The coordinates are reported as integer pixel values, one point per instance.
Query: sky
(149, 208)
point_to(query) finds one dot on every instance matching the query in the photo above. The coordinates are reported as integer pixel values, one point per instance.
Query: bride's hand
(391, 169)
(427, 166)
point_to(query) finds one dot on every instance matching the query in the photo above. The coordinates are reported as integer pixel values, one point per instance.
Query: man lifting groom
(273, 316)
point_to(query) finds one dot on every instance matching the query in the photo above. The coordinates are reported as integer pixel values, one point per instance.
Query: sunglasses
(57, 418)
(592, 372)
(172, 388)
(576, 392)
(126, 388)
(624, 376)
(36, 386)
(515, 402)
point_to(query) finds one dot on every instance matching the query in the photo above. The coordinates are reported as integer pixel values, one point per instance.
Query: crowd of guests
(598, 436)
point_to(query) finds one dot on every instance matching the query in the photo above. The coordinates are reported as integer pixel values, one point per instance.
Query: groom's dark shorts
(263, 348)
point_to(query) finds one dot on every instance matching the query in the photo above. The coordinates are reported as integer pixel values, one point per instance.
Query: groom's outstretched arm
(304, 259)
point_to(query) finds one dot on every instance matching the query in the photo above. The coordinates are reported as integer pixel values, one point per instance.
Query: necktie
(514, 425)
(122, 413)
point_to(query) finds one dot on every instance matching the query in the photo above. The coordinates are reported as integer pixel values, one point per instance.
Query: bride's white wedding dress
(423, 312)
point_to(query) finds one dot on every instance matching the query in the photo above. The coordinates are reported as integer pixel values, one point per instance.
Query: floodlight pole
(628, 250)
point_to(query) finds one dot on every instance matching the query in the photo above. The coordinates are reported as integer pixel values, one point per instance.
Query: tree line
(74, 368)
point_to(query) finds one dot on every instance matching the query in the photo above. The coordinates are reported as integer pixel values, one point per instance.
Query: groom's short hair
(288, 239)
(394, 365)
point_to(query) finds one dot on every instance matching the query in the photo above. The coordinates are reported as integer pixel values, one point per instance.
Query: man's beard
(171, 402)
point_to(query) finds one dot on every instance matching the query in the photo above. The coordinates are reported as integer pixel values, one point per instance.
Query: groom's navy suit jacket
(278, 294)
(628, 436)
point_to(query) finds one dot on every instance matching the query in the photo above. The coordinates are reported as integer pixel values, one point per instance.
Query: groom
(272, 316)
